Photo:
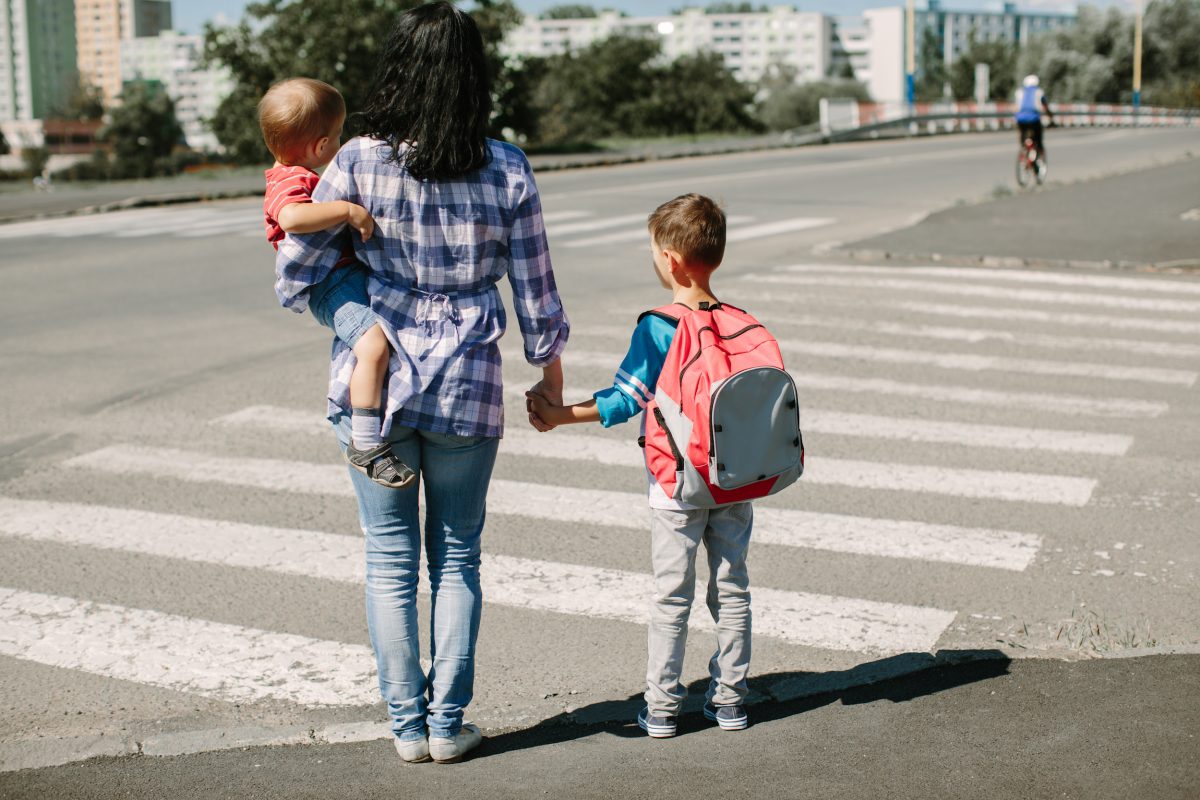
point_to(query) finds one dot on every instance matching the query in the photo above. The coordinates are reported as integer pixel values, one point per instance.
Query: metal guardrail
(935, 122)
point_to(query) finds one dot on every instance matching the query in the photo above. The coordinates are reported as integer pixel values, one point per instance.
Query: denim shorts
(341, 303)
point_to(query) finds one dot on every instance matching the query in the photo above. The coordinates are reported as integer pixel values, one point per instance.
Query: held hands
(360, 220)
(540, 398)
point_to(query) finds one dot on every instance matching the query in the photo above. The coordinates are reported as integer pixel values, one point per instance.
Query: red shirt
(287, 185)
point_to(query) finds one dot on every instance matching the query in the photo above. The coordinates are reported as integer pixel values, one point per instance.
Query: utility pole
(910, 64)
(1137, 57)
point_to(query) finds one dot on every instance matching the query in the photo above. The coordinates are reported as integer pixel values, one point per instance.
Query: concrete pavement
(1085, 730)
(1142, 218)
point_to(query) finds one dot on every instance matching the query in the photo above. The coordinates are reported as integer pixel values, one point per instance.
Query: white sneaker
(415, 751)
(451, 751)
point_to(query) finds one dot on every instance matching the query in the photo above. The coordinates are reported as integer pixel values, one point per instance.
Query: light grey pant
(675, 537)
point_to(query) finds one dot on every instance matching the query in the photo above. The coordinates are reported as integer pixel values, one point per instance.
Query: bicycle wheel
(1022, 170)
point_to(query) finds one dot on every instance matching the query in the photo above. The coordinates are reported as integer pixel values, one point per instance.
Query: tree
(143, 131)
(930, 80)
(787, 105)
(337, 41)
(1001, 58)
(569, 11)
(5, 148)
(85, 102)
(698, 94)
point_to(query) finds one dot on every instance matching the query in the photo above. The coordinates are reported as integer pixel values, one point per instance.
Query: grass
(1088, 631)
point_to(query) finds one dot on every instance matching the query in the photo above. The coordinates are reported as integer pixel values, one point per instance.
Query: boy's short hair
(296, 112)
(693, 226)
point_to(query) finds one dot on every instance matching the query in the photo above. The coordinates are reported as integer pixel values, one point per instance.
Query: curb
(615, 160)
(40, 753)
(43, 753)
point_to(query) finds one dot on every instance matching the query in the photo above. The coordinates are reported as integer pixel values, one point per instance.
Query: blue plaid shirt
(438, 251)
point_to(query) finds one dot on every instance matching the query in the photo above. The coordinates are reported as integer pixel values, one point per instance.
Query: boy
(301, 121)
(687, 241)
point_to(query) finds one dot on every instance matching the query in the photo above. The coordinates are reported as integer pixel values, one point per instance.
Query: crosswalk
(883, 376)
(569, 229)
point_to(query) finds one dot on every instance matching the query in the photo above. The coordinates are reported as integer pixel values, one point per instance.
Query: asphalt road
(996, 461)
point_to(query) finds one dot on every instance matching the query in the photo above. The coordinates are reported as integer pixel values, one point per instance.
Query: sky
(190, 15)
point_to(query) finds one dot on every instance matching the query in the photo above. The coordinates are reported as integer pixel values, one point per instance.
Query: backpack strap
(668, 313)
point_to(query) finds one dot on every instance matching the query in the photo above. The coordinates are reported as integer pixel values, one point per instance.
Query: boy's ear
(317, 146)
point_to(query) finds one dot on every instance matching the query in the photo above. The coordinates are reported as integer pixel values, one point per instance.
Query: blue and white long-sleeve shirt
(439, 249)
(633, 387)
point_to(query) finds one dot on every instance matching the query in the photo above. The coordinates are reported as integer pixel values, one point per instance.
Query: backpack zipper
(662, 423)
(719, 336)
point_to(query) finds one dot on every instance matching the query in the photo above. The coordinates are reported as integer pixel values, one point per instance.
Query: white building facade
(748, 43)
(37, 57)
(886, 42)
(174, 61)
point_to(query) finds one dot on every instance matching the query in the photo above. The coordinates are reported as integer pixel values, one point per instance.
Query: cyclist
(1031, 102)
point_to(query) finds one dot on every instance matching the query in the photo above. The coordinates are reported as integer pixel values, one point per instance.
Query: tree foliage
(1001, 58)
(143, 131)
(621, 86)
(336, 41)
(785, 104)
(1093, 61)
(85, 102)
(569, 11)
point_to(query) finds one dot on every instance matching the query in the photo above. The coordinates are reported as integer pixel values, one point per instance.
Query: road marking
(979, 335)
(973, 483)
(838, 533)
(1054, 317)
(836, 623)
(212, 659)
(1147, 284)
(1059, 403)
(838, 423)
(563, 216)
(638, 234)
(595, 225)
(993, 292)
(971, 362)
(775, 228)
(1098, 281)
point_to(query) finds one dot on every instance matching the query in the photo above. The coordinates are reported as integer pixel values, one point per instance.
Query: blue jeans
(455, 472)
(341, 303)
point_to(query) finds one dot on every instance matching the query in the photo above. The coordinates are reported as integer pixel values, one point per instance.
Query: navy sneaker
(658, 726)
(730, 718)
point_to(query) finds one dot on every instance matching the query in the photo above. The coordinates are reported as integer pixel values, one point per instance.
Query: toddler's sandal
(381, 466)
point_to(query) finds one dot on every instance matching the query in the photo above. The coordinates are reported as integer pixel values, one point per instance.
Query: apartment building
(749, 43)
(100, 28)
(173, 60)
(37, 57)
(886, 42)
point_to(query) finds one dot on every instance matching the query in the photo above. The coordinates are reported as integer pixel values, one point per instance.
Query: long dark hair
(432, 91)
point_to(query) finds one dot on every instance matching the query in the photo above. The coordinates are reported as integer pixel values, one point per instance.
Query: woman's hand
(538, 399)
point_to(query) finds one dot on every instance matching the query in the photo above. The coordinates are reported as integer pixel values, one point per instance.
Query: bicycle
(1030, 164)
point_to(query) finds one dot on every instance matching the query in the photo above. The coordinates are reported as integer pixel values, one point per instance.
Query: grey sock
(364, 428)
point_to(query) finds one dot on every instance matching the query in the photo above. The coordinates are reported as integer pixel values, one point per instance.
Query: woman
(455, 212)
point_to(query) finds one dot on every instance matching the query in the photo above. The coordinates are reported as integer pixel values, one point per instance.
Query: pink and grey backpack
(724, 424)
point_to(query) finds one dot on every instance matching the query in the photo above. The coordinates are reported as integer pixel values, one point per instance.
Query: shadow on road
(775, 696)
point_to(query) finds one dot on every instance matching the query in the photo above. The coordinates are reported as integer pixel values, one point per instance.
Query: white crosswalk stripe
(211, 659)
(593, 506)
(1122, 322)
(1058, 403)
(1080, 279)
(970, 362)
(990, 292)
(835, 623)
(980, 335)
(840, 423)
